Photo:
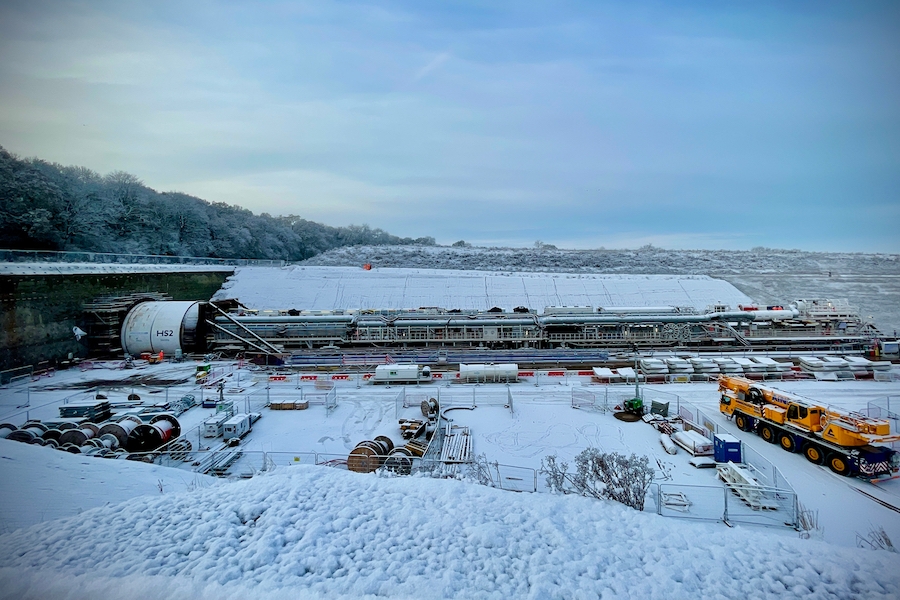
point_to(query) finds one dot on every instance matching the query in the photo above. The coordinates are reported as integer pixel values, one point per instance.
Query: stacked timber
(416, 447)
(289, 405)
(411, 428)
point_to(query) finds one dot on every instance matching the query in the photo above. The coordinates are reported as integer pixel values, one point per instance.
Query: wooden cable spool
(362, 459)
(369, 454)
(386, 441)
(399, 461)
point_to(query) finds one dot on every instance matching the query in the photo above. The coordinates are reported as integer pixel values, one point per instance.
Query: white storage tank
(161, 326)
(489, 372)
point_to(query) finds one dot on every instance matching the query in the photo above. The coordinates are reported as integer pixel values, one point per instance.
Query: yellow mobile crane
(845, 441)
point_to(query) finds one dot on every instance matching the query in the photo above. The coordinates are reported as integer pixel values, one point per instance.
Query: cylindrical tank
(161, 326)
(482, 372)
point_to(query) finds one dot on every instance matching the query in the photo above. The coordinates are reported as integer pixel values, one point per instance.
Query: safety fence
(886, 408)
(733, 503)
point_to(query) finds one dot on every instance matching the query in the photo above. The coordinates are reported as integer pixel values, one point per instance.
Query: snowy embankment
(314, 531)
(63, 268)
(328, 288)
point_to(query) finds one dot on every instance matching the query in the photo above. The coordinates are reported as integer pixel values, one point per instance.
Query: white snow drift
(320, 531)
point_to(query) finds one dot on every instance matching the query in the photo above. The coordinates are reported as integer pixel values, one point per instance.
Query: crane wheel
(814, 454)
(741, 421)
(839, 464)
(767, 433)
(786, 441)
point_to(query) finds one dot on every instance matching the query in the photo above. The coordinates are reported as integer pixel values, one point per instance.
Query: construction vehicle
(845, 441)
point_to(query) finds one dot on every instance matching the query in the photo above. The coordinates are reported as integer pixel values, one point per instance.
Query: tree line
(48, 206)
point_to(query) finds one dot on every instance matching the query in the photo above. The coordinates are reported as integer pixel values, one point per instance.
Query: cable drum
(399, 461)
(79, 436)
(121, 429)
(52, 434)
(148, 437)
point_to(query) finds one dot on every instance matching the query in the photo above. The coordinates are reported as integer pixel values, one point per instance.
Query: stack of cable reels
(369, 454)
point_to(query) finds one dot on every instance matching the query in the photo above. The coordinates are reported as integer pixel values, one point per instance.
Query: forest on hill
(47, 206)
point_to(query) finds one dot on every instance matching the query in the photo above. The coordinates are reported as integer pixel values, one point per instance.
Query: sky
(716, 125)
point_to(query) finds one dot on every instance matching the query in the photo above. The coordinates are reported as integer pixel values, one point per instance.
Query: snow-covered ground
(326, 288)
(319, 532)
(540, 423)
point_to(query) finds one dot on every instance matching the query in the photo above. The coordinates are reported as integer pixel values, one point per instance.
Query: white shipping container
(213, 426)
(401, 374)
(236, 427)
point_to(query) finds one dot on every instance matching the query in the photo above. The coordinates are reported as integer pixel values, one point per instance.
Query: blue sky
(613, 124)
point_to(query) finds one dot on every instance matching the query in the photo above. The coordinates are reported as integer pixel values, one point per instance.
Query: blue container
(726, 448)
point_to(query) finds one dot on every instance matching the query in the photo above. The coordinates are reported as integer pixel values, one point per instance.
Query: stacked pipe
(457, 445)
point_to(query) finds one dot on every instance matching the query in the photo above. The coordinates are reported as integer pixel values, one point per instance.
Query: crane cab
(805, 417)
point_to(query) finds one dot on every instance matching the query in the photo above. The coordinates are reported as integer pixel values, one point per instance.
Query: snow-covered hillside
(646, 260)
(319, 532)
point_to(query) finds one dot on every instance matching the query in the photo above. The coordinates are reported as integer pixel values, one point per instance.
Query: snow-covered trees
(608, 476)
(46, 206)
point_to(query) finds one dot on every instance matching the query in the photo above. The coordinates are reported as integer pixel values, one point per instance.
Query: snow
(42, 485)
(331, 533)
(870, 281)
(314, 530)
(328, 288)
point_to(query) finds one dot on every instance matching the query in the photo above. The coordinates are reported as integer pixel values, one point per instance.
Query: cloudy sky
(681, 124)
